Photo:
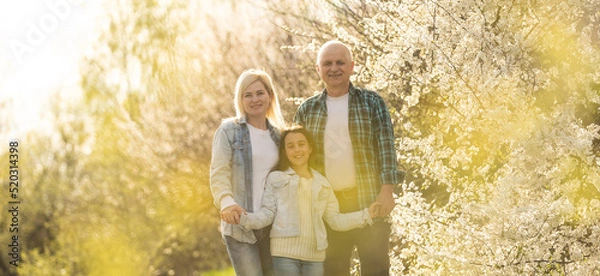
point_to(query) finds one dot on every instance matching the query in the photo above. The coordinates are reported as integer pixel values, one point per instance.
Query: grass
(224, 272)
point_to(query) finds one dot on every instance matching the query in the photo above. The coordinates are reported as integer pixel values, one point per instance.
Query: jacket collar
(317, 177)
(289, 172)
(242, 120)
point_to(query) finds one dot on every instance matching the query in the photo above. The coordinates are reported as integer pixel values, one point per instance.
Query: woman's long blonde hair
(246, 79)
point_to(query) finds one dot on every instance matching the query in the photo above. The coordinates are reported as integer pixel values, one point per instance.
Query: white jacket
(280, 207)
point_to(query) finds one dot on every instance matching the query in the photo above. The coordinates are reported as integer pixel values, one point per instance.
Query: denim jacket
(280, 207)
(231, 170)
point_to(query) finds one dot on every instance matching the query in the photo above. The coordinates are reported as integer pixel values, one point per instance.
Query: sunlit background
(114, 103)
(37, 63)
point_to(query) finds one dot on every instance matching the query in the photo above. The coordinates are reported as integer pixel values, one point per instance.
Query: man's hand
(232, 214)
(374, 209)
(386, 198)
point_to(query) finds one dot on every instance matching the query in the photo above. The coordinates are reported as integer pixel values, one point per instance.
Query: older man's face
(335, 66)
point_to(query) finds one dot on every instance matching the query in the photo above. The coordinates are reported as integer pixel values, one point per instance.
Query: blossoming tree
(495, 104)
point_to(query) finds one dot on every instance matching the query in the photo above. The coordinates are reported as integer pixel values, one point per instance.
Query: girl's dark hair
(284, 162)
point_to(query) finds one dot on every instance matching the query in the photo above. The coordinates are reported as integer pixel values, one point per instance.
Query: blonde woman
(245, 150)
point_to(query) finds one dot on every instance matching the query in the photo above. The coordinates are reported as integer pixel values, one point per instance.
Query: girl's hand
(232, 214)
(375, 209)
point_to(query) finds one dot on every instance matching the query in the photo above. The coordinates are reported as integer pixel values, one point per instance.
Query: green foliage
(225, 272)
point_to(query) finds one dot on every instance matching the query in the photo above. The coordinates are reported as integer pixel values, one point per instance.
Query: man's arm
(389, 174)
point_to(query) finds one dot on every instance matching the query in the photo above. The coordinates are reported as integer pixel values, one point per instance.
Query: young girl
(297, 201)
(245, 150)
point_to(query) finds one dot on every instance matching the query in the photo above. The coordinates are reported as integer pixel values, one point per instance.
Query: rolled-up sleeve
(384, 133)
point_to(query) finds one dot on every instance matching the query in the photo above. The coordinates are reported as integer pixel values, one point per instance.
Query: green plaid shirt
(372, 137)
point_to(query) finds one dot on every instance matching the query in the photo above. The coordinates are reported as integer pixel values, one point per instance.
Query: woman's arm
(220, 169)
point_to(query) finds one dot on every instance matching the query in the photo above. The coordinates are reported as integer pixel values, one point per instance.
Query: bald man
(354, 148)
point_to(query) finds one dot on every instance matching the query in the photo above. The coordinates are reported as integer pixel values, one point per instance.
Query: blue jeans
(251, 259)
(294, 267)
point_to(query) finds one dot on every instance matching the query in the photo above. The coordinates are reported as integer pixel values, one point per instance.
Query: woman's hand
(232, 214)
(375, 209)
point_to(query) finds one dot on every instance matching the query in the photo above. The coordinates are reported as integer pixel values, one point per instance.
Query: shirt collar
(351, 91)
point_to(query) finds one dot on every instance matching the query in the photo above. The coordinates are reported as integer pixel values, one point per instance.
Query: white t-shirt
(264, 158)
(339, 155)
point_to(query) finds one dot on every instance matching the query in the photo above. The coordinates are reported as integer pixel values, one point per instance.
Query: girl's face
(297, 149)
(256, 99)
